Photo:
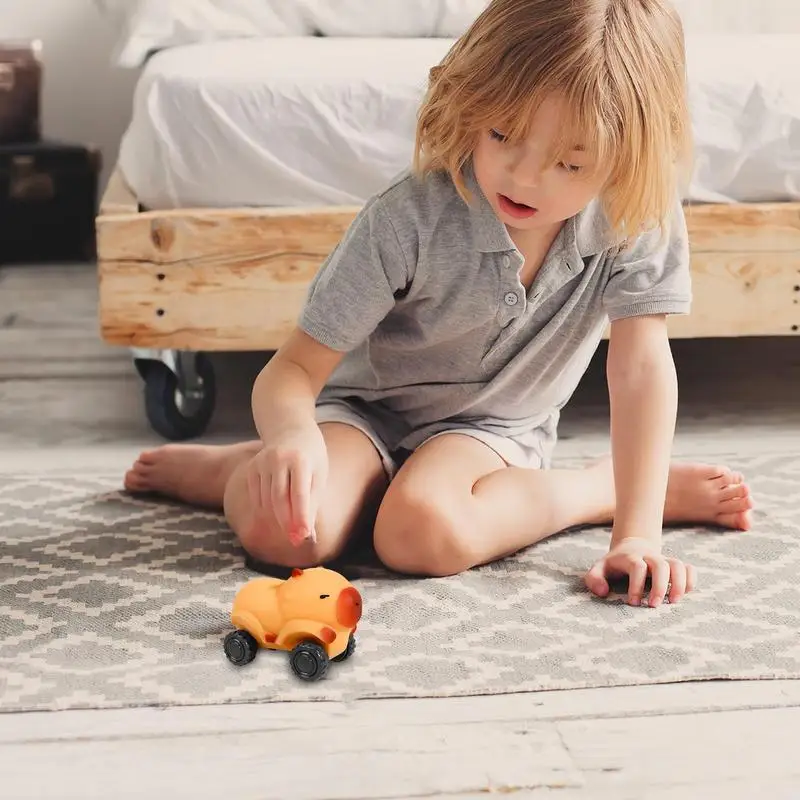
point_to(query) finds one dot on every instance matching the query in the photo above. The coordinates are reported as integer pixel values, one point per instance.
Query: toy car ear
(296, 572)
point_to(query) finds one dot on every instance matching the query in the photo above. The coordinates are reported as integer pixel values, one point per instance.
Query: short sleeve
(654, 275)
(356, 286)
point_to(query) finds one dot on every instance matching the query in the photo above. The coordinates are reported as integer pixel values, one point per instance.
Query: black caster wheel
(309, 661)
(240, 647)
(173, 414)
(348, 651)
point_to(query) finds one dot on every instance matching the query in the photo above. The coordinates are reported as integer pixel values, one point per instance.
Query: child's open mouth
(518, 210)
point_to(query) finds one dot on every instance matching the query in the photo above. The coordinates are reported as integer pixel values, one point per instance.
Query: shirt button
(506, 261)
(511, 299)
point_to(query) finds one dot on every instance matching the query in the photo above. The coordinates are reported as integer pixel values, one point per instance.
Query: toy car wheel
(309, 661)
(348, 651)
(240, 648)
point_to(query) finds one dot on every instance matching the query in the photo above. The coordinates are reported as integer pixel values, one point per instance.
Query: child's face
(511, 174)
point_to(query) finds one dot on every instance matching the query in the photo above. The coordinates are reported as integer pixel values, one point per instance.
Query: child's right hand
(289, 476)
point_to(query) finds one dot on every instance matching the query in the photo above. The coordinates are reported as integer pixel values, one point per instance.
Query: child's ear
(296, 573)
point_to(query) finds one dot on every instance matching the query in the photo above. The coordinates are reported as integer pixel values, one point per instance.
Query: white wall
(84, 99)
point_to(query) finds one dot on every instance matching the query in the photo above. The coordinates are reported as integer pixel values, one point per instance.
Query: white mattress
(317, 121)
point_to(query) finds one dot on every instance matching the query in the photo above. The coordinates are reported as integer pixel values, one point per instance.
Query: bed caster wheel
(179, 396)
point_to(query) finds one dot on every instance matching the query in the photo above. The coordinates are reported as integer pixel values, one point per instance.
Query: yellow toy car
(313, 615)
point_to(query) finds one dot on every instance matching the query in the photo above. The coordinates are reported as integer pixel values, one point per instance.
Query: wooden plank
(635, 757)
(237, 279)
(228, 280)
(785, 789)
(118, 197)
(216, 307)
(303, 764)
(687, 751)
(622, 702)
(234, 239)
(742, 294)
(759, 227)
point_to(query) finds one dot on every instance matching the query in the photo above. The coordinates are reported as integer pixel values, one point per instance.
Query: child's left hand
(634, 558)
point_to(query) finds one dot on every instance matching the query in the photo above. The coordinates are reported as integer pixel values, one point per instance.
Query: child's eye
(324, 596)
(497, 135)
(571, 167)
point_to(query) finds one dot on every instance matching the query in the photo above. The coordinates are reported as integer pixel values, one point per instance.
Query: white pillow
(154, 25)
(455, 16)
(392, 18)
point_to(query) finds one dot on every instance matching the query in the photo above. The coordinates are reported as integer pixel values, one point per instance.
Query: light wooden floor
(68, 401)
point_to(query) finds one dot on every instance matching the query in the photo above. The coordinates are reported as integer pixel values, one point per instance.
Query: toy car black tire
(309, 661)
(348, 651)
(240, 647)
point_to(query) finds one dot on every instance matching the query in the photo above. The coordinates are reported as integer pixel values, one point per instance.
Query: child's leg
(455, 504)
(214, 477)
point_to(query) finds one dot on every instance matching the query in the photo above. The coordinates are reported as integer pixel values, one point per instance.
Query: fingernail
(634, 601)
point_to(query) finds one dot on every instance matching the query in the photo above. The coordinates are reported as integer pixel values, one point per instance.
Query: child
(419, 396)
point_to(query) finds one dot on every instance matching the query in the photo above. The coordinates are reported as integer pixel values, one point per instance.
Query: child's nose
(527, 171)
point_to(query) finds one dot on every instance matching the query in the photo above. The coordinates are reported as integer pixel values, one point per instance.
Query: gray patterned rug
(110, 601)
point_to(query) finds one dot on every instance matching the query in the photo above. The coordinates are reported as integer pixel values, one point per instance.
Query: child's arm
(289, 473)
(285, 392)
(643, 394)
(649, 281)
(643, 391)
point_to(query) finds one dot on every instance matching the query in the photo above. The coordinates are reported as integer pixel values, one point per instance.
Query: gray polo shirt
(424, 296)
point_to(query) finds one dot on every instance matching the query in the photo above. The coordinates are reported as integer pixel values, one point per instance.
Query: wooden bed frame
(177, 284)
(235, 279)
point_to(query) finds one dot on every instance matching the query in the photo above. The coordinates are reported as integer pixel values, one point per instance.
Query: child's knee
(421, 535)
(261, 537)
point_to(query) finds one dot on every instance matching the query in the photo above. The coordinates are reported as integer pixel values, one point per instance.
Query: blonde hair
(618, 64)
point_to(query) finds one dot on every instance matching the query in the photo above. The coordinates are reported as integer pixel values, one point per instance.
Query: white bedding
(154, 25)
(312, 120)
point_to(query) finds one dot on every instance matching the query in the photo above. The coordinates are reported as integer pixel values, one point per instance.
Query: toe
(722, 479)
(139, 471)
(735, 505)
(740, 521)
(733, 492)
(132, 481)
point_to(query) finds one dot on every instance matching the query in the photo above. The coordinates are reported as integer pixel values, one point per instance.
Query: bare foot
(696, 494)
(702, 493)
(194, 474)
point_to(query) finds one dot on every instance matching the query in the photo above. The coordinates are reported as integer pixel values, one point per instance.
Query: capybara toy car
(313, 615)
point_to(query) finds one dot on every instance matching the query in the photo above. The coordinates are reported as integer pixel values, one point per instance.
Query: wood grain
(760, 227)
(633, 757)
(237, 279)
(576, 705)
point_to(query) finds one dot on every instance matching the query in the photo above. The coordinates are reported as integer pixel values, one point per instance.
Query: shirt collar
(491, 236)
(584, 235)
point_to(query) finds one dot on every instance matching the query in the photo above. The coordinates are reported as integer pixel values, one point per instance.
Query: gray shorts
(378, 426)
